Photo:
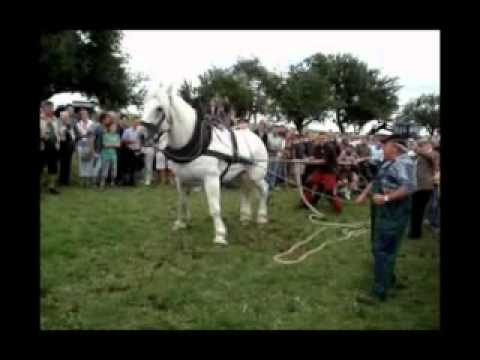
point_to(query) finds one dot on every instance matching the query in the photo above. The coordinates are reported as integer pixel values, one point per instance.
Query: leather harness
(198, 146)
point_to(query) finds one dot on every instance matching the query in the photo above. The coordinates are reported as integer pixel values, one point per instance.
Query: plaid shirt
(396, 173)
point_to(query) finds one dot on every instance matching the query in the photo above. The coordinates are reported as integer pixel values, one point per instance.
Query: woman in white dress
(148, 151)
(85, 136)
(163, 165)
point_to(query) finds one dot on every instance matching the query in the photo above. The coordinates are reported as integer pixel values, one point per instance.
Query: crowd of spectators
(341, 166)
(107, 150)
(112, 151)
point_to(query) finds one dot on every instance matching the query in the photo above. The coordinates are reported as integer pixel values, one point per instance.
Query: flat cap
(396, 139)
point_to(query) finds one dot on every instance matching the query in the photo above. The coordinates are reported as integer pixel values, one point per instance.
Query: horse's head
(156, 116)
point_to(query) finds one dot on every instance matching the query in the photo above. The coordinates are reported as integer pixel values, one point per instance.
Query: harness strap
(234, 144)
(198, 146)
(229, 159)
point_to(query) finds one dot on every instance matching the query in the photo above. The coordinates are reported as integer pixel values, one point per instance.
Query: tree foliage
(225, 84)
(304, 94)
(252, 73)
(90, 62)
(309, 91)
(425, 110)
(360, 94)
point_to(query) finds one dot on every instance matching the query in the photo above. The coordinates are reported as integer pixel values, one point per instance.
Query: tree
(359, 94)
(425, 110)
(90, 62)
(256, 75)
(225, 84)
(303, 95)
(189, 93)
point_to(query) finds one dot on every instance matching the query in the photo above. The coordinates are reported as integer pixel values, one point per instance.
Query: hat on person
(397, 140)
(384, 132)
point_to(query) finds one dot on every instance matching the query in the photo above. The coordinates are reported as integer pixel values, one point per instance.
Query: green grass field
(109, 260)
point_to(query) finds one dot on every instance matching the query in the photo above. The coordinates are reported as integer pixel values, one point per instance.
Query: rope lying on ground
(357, 229)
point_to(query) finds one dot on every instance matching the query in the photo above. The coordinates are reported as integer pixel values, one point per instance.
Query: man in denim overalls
(391, 191)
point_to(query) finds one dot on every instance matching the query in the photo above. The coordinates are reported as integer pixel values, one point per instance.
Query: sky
(169, 56)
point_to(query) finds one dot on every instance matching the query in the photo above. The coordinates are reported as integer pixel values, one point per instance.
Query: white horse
(166, 112)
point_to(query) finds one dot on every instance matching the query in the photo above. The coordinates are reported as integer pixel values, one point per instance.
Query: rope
(313, 218)
(357, 229)
(354, 233)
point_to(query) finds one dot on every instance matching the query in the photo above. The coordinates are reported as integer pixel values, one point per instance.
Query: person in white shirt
(148, 151)
(163, 165)
(276, 145)
(131, 138)
(411, 144)
(84, 130)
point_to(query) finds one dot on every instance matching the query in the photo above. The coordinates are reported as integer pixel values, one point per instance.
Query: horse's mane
(183, 106)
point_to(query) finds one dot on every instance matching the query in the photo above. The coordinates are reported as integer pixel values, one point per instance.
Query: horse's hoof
(220, 240)
(179, 225)
(262, 220)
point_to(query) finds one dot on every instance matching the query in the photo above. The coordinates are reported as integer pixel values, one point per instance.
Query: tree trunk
(339, 121)
(299, 125)
(341, 127)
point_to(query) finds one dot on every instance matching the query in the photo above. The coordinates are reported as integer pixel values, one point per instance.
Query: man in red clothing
(323, 177)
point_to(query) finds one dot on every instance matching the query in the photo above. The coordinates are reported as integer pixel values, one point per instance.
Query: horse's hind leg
(183, 212)
(245, 200)
(262, 187)
(212, 192)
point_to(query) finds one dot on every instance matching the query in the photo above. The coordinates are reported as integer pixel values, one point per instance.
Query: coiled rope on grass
(350, 230)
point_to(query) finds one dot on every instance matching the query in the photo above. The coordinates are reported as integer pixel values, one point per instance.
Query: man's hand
(360, 199)
(363, 196)
(360, 160)
(379, 199)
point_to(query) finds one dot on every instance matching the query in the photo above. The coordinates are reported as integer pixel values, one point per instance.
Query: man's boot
(371, 298)
(51, 186)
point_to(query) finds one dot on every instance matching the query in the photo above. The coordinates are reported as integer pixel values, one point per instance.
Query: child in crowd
(110, 144)
(347, 171)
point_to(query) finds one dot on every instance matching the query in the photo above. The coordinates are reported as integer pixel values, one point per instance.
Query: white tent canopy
(65, 98)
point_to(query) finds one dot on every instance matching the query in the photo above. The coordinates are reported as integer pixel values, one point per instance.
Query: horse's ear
(170, 92)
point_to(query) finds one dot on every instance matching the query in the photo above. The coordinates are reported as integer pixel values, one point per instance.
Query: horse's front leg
(183, 213)
(212, 192)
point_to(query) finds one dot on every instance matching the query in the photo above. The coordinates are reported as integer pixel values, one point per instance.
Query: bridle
(154, 131)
